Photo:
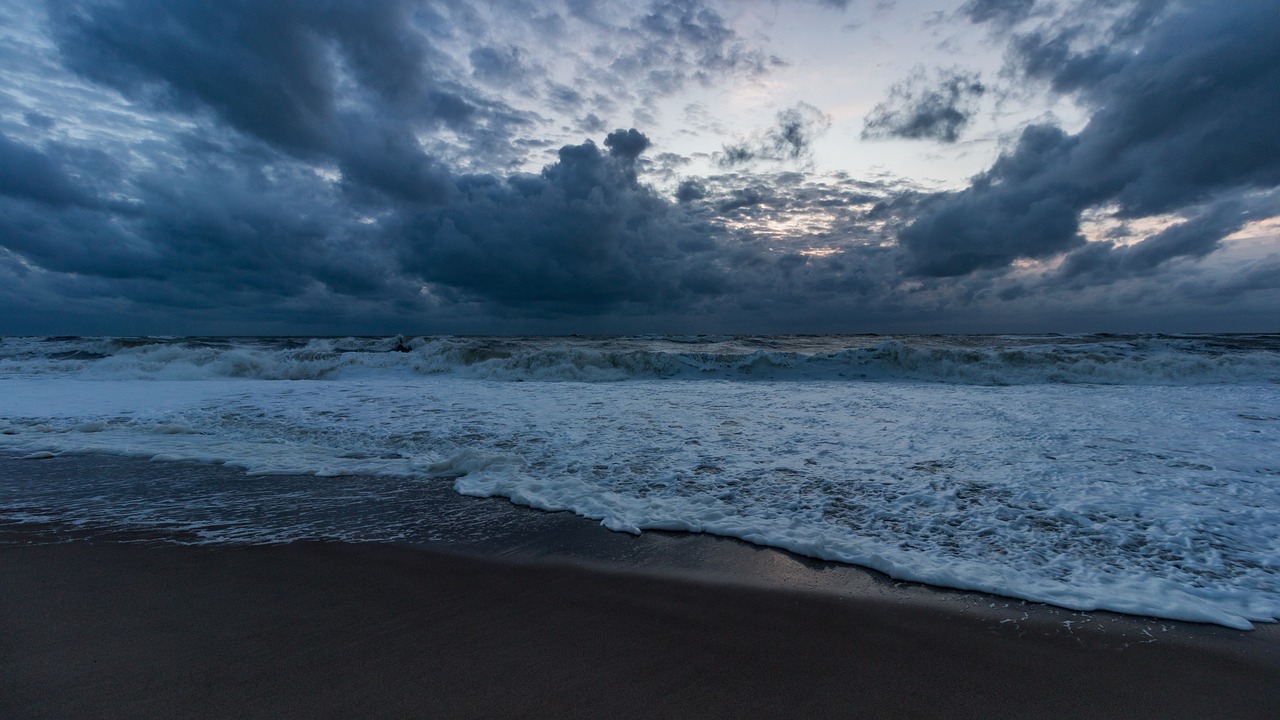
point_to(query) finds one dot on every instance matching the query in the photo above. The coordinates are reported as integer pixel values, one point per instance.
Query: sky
(184, 167)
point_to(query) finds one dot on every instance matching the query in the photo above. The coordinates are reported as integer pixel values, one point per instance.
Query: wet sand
(93, 629)
(512, 612)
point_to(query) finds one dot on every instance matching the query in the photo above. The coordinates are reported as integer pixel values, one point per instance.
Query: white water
(980, 360)
(1156, 499)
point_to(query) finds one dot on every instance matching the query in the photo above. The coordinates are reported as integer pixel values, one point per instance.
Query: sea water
(1132, 473)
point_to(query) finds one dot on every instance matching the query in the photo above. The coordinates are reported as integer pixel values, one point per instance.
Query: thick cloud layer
(582, 235)
(28, 173)
(1103, 262)
(1184, 121)
(273, 71)
(330, 166)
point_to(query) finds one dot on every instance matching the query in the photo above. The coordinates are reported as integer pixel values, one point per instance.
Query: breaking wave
(973, 360)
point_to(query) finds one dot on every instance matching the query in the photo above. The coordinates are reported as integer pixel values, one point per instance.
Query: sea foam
(1141, 496)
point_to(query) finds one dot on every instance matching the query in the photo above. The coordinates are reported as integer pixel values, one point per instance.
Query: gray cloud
(498, 66)
(1004, 12)
(670, 25)
(1082, 42)
(690, 190)
(1183, 121)
(660, 50)
(254, 220)
(287, 166)
(1105, 262)
(743, 198)
(790, 138)
(219, 235)
(592, 124)
(268, 70)
(38, 120)
(922, 108)
(563, 98)
(581, 236)
(626, 145)
(27, 173)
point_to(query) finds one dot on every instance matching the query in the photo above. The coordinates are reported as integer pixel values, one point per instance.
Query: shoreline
(552, 615)
(496, 528)
(499, 528)
(98, 620)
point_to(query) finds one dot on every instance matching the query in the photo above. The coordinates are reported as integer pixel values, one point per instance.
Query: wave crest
(981, 360)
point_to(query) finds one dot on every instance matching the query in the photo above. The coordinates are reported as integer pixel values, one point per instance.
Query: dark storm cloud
(1102, 262)
(28, 173)
(1086, 42)
(217, 235)
(279, 91)
(1259, 276)
(690, 190)
(1013, 210)
(1187, 119)
(626, 145)
(71, 240)
(790, 138)
(586, 237)
(920, 108)
(268, 70)
(1050, 56)
(290, 166)
(580, 236)
(283, 94)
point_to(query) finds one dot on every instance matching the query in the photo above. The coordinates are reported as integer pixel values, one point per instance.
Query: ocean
(1139, 474)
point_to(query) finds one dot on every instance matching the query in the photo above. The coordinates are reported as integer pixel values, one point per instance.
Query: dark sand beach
(97, 627)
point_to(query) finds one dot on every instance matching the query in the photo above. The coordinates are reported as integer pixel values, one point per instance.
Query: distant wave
(959, 359)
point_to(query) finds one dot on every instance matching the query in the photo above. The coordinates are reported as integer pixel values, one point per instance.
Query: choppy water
(1131, 473)
(965, 359)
